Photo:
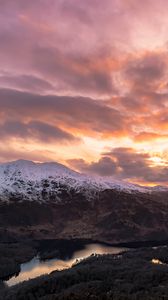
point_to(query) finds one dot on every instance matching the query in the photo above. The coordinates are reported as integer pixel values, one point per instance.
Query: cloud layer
(125, 164)
(82, 78)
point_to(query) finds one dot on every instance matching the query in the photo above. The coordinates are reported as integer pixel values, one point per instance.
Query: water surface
(36, 267)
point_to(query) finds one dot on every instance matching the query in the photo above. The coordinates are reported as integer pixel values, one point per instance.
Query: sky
(85, 83)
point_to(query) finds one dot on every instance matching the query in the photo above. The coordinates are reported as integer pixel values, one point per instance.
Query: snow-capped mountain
(41, 181)
(49, 200)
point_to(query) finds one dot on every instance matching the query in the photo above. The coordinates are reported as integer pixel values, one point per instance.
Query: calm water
(35, 267)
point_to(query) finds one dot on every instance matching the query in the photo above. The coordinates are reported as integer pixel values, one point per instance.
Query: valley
(49, 211)
(136, 274)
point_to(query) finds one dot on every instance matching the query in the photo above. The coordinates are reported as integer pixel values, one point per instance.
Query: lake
(37, 267)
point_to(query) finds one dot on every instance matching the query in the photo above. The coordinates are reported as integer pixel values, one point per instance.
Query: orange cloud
(75, 81)
(149, 136)
(126, 164)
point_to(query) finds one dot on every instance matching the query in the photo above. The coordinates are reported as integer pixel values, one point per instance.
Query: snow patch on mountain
(26, 180)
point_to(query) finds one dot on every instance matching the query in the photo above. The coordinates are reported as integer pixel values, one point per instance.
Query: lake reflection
(35, 267)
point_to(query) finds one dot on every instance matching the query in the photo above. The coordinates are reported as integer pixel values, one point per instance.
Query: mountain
(43, 200)
(43, 182)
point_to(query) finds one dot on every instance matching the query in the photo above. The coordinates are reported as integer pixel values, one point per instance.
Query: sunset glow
(85, 83)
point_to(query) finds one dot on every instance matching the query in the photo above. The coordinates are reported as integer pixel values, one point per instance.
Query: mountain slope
(30, 181)
(51, 201)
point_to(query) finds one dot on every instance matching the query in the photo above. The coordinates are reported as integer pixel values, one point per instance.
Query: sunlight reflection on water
(35, 267)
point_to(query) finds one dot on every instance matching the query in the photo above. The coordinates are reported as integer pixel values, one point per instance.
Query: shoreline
(55, 248)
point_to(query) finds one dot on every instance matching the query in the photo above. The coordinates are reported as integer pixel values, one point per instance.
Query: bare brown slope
(112, 216)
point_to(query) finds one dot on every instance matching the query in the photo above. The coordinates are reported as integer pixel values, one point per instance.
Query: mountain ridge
(30, 179)
(51, 201)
